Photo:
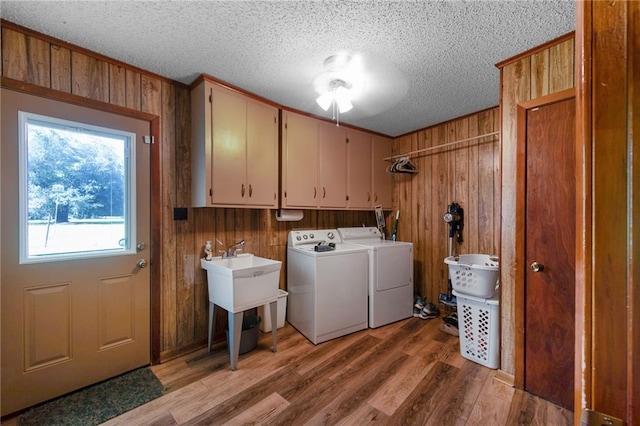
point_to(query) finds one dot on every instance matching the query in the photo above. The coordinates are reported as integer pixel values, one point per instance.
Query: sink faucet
(231, 251)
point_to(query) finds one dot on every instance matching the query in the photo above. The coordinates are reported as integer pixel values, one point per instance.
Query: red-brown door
(550, 252)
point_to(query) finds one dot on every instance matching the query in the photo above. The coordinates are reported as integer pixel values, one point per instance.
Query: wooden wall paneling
(461, 183)
(15, 62)
(440, 191)
(540, 73)
(133, 90)
(485, 187)
(61, 69)
(561, 66)
(419, 235)
(516, 88)
(409, 210)
(151, 96)
(39, 71)
(117, 84)
(472, 215)
(89, 77)
(497, 182)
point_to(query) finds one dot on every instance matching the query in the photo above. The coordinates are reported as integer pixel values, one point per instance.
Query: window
(76, 194)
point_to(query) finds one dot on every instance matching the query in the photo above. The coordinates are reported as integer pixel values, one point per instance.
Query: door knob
(536, 267)
(141, 246)
(141, 263)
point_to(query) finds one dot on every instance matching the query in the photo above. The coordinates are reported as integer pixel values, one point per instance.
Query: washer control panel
(313, 236)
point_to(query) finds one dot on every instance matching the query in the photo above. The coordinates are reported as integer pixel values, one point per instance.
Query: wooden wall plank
(561, 65)
(39, 61)
(15, 62)
(133, 90)
(472, 212)
(60, 68)
(89, 77)
(487, 147)
(540, 73)
(117, 85)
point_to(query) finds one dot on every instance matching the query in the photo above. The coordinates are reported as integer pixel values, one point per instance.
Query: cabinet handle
(324, 192)
(250, 190)
(242, 190)
(368, 196)
(376, 197)
(315, 192)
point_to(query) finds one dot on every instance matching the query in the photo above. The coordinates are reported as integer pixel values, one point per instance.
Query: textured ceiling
(426, 61)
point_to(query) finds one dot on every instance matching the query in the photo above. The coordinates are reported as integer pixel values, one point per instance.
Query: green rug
(97, 403)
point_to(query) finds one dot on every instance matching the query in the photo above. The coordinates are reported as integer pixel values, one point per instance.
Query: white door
(75, 240)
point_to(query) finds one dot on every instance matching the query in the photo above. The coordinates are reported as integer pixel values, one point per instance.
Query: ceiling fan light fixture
(338, 83)
(325, 100)
(343, 99)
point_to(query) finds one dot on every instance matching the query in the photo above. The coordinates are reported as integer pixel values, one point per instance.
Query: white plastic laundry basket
(265, 312)
(479, 328)
(474, 274)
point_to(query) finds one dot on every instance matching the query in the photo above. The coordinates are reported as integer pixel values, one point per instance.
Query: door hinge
(148, 139)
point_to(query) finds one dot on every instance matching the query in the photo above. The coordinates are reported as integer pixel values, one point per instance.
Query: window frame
(130, 213)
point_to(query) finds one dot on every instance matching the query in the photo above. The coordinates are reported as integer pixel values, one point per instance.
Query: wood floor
(407, 373)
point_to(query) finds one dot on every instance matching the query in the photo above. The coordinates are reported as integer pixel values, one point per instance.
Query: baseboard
(504, 377)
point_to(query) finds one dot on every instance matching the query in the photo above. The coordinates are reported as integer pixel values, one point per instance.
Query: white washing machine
(327, 289)
(390, 286)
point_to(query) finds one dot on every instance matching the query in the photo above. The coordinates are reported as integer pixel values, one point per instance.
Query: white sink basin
(243, 282)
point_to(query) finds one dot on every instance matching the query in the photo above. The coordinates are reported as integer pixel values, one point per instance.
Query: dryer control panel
(360, 234)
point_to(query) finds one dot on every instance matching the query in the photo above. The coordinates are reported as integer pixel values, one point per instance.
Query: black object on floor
(97, 403)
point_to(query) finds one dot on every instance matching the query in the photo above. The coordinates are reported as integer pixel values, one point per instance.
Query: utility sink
(238, 284)
(243, 282)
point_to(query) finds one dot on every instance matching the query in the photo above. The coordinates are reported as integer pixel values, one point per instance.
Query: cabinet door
(300, 161)
(382, 180)
(228, 155)
(359, 168)
(333, 165)
(262, 155)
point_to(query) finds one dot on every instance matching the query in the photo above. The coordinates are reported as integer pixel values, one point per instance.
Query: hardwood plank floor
(406, 373)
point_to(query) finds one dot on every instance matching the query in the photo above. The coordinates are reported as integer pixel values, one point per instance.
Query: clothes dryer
(390, 285)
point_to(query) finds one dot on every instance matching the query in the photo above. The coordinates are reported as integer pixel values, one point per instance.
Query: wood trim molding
(70, 98)
(520, 199)
(536, 49)
(583, 327)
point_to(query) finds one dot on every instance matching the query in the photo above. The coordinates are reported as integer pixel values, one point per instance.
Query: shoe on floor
(452, 319)
(449, 329)
(429, 311)
(418, 302)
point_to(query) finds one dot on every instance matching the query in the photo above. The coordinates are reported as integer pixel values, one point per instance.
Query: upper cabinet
(359, 180)
(314, 163)
(234, 155)
(382, 180)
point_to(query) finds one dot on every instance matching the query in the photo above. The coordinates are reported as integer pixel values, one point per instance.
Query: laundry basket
(474, 274)
(479, 328)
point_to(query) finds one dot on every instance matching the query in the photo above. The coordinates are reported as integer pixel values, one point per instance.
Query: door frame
(520, 266)
(155, 181)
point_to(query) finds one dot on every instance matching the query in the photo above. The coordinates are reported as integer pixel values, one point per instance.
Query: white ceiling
(427, 61)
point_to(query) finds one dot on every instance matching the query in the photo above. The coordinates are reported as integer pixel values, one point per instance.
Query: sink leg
(235, 332)
(273, 307)
(212, 323)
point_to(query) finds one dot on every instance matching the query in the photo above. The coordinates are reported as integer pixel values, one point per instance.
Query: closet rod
(441, 146)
